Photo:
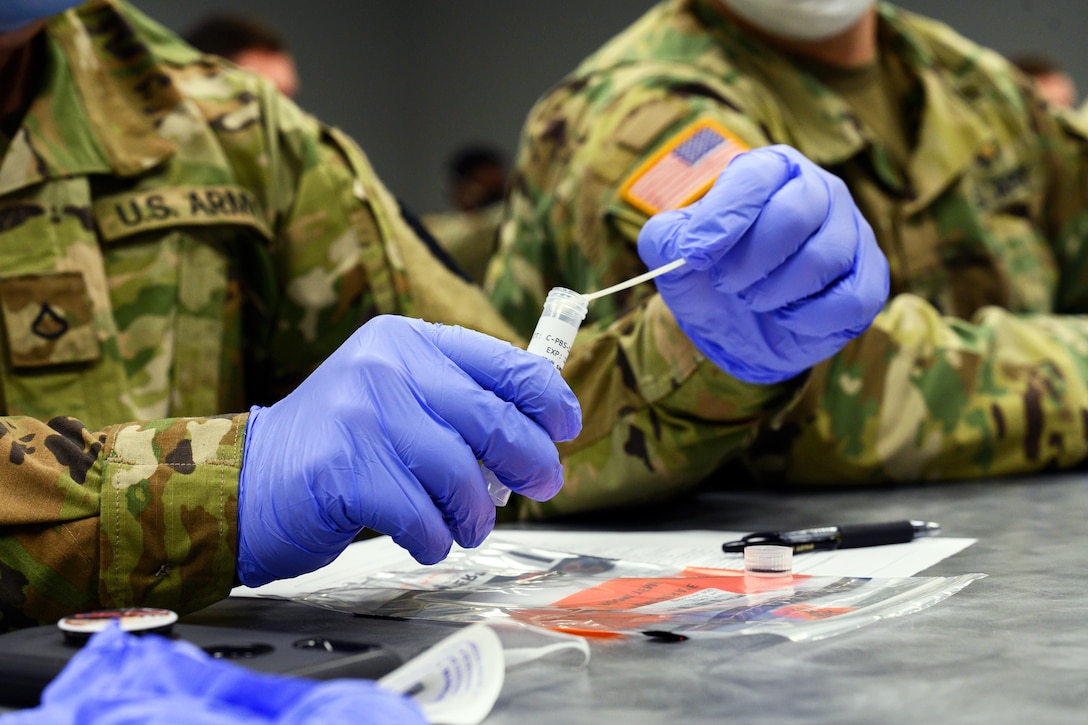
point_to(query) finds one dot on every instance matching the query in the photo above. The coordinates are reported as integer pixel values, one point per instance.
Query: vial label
(552, 339)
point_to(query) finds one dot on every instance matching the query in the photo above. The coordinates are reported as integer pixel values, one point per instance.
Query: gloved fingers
(520, 456)
(516, 449)
(446, 468)
(658, 240)
(786, 230)
(508, 405)
(415, 523)
(852, 302)
(509, 374)
(738, 197)
(825, 255)
(385, 495)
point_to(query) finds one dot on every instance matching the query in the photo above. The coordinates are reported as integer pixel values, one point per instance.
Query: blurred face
(276, 67)
(1057, 88)
(485, 186)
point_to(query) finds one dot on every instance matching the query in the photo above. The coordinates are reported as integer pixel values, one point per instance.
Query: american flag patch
(683, 170)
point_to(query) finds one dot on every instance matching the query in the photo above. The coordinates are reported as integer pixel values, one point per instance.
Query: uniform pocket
(48, 320)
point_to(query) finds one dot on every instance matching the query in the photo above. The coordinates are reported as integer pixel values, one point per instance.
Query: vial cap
(768, 560)
(563, 301)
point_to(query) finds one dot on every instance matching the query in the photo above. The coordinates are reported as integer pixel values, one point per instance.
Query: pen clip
(763, 537)
(775, 538)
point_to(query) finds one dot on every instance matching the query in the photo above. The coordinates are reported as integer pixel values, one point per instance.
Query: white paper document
(679, 548)
(704, 548)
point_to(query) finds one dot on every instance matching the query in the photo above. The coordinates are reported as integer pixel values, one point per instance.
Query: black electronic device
(30, 658)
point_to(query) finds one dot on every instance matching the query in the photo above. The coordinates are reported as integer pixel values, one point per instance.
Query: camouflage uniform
(470, 237)
(979, 364)
(176, 240)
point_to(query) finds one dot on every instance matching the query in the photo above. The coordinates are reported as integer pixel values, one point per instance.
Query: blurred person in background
(476, 182)
(249, 43)
(1050, 79)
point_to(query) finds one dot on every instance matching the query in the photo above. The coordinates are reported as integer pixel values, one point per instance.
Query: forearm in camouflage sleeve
(135, 514)
(658, 417)
(924, 397)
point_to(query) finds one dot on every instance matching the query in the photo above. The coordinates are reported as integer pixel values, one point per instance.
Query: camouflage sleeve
(343, 252)
(922, 396)
(324, 272)
(135, 514)
(925, 397)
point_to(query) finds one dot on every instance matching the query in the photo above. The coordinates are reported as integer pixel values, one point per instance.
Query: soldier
(977, 367)
(477, 184)
(178, 240)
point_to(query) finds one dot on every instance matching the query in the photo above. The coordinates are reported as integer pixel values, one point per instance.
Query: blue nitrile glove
(386, 434)
(119, 679)
(782, 269)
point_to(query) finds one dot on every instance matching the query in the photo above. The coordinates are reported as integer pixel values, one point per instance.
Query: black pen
(851, 536)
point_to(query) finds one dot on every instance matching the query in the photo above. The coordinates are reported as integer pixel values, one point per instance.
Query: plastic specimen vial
(563, 313)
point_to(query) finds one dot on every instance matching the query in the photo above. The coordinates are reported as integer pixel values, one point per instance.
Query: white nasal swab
(636, 280)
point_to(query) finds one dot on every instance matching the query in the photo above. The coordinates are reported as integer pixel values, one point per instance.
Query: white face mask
(800, 19)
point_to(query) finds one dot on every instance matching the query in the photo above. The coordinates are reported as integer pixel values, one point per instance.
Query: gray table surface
(1010, 648)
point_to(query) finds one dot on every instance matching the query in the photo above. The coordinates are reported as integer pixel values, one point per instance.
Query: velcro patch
(145, 211)
(683, 169)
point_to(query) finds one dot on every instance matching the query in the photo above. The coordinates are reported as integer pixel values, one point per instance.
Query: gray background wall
(412, 79)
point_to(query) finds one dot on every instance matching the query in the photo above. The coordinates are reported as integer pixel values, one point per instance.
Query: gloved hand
(386, 434)
(119, 678)
(782, 269)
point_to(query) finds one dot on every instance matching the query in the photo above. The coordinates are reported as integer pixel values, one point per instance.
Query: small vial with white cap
(556, 329)
(564, 311)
